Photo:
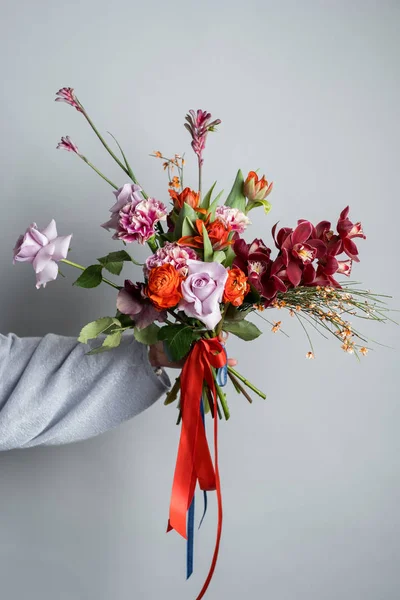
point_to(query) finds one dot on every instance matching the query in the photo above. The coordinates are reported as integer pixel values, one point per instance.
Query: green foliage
(114, 261)
(91, 277)
(219, 256)
(236, 198)
(205, 203)
(95, 328)
(112, 341)
(242, 329)
(235, 314)
(187, 227)
(178, 339)
(230, 256)
(208, 249)
(186, 212)
(148, 335)
(213, 206)
(267, 206)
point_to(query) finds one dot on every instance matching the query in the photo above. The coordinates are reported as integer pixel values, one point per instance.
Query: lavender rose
(42, 248)
(202, 291)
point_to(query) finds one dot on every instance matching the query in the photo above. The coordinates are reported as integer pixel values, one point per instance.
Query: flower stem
(239, 388)
(200, 182)
(247, 382)
(222, 398)
(106, 146)
(221, 323)
(98, 172)
(82, 268)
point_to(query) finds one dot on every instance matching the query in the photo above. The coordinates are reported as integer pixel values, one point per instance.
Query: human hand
(158, 358)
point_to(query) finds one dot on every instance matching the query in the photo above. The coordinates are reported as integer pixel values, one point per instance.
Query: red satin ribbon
(194, 461)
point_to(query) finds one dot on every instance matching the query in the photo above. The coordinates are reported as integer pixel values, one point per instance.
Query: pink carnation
(233, 218)
(128, 193)
(137, 221)
(173, 254)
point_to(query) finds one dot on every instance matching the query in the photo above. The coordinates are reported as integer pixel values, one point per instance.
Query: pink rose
(42, 248)
(202, 291)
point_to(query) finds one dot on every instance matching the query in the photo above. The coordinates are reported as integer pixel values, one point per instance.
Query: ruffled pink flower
(233, 218)
(137, 221)
(129, 193)
(67, 95)
(67, 144)
(173, 254)
(43, 249)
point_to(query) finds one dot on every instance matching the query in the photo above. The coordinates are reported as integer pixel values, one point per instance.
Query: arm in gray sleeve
(52, 393)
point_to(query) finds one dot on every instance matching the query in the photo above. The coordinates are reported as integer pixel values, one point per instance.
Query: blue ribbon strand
(222, 378)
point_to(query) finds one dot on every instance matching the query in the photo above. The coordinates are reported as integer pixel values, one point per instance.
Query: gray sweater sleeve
(52, 393)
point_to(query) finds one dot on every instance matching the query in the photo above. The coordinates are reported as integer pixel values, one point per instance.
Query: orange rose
(236, 287)
(189, 196)
(164, 286)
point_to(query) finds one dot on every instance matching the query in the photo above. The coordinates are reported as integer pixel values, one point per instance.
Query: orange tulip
(187, 195)
(256, 189)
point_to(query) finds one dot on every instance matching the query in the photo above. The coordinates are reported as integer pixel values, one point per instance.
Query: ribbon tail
(190, 540)
(205, 508)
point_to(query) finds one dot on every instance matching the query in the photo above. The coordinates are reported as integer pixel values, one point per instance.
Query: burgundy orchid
(347, 231)
(254, 259)
(299, 248)
(132, 301)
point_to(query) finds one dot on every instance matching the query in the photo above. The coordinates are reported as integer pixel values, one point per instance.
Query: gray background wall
(308, 92)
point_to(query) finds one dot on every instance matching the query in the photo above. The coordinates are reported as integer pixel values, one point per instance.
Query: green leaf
(208, 249)
(148, 335)
(235, 314)
(111, 341)
(236, 198)
(119, 256)
(205, 203)
(95, 328)
(230, 256)
(242, 329)
(91, 277)
(213, 207)
(267, 205)
(219, 256)
(178, 338)
(186, 212)
(128, 167)
(187, 227)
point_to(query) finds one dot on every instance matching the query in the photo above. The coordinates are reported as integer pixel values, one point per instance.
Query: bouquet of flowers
(201, 279)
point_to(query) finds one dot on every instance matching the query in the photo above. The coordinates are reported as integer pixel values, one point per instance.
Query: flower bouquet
(201, 279)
